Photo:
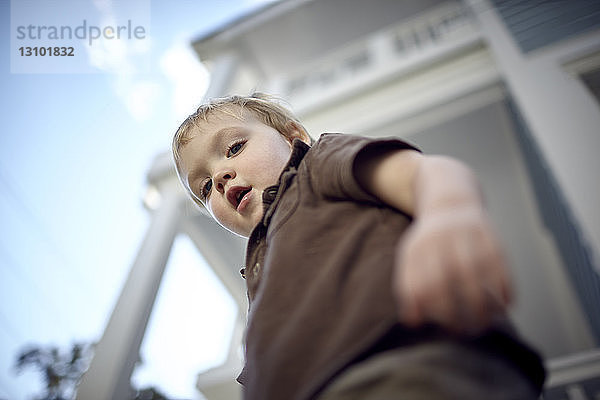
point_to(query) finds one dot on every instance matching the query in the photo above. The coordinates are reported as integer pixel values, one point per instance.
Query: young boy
(372, 270)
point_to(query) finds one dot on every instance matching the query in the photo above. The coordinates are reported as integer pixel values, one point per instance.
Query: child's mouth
(243, 198)
(239, 196)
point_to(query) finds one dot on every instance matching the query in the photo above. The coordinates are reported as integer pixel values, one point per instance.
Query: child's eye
(206, 188)
(235, 148)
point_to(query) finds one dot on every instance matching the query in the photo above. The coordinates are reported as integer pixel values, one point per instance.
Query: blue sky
(74, 151)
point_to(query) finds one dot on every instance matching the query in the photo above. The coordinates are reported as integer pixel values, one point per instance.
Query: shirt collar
(299, 150)
(272, 194)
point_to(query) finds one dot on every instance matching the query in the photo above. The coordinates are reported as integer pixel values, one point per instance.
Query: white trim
(420, 99)
(573, 368)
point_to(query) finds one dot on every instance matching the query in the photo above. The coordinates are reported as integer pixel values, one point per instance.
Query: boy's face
(230, 163)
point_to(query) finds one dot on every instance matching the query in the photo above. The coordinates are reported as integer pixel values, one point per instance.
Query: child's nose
(222, 178)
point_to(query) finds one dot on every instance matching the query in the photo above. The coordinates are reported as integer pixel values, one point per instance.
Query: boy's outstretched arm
(450, 267)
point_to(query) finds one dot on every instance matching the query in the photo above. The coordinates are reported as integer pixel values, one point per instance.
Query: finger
(403, 287)
(410, 312)
(437, 301)
(413, 273)
(490, 284)
(471, 300)
(495, 304)
(499, 288)
(506, 288)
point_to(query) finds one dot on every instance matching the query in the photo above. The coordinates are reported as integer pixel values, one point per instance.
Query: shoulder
(342, 146)
(347, 139)
(330, 164)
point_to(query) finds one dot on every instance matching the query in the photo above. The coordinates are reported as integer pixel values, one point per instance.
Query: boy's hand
(450, 270)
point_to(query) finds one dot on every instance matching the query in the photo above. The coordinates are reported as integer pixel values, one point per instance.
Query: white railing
(393, 50)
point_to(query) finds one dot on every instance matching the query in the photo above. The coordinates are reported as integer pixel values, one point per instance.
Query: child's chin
(240, 231)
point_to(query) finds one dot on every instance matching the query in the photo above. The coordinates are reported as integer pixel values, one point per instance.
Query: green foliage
(150, 393)
(61, 371)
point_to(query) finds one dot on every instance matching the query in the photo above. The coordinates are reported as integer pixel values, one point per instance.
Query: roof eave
(211, 43)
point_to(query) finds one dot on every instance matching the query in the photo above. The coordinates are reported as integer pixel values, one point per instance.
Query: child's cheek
(218, 213)
(215, 213)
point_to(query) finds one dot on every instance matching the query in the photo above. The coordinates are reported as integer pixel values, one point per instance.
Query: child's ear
(294, 130)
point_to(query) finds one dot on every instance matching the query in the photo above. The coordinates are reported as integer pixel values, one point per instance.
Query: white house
(511, 87)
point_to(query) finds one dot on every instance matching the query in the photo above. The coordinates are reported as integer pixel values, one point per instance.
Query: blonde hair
(262, 106)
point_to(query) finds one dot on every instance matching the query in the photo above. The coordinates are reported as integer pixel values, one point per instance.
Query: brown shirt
(318, 272)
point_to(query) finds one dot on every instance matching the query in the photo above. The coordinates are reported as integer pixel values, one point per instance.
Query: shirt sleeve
(331, 164)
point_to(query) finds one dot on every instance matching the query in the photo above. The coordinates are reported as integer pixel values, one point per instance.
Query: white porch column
(221, 75)
(560, 113)
(224, 252)
(108, 377)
